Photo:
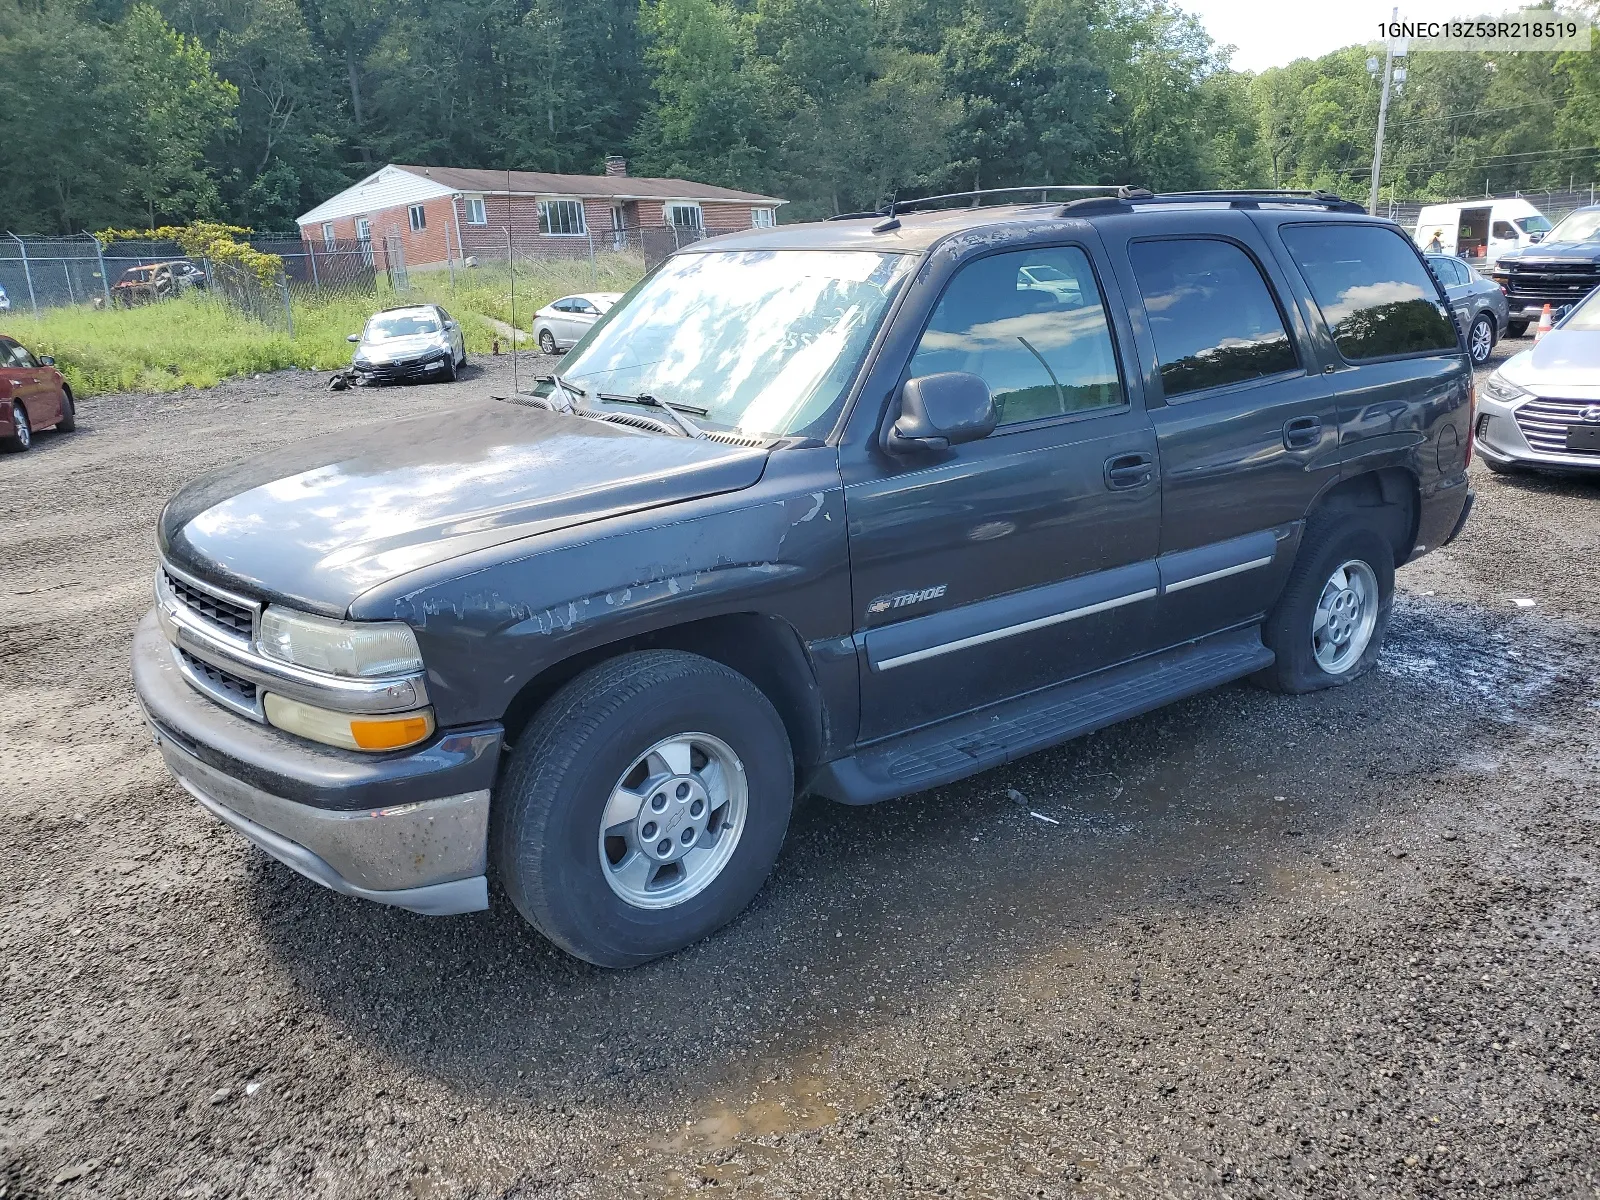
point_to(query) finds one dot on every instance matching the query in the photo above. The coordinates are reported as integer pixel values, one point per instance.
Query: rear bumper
(407, 829)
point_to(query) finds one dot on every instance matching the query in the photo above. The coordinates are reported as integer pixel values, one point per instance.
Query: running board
(1001, 733)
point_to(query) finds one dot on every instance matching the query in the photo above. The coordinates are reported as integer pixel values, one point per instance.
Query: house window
(327, 234)
(763, 218)
(363, 230)
(475, 212)
(562, 218)
(686, 217)
(419, 218)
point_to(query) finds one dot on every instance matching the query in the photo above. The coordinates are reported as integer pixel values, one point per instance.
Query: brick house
(446, 214)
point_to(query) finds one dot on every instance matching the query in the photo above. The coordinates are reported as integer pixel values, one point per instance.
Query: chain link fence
(510, 272)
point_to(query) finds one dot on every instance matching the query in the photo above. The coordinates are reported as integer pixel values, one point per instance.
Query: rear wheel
(22, 435)
(644, 806)
(1516, 328)
(69, 413)
(1480, 339)
(1329, 624)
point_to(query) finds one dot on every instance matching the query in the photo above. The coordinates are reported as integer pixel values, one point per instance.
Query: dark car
(1559, 271)
(1479, 304)
(854, 508)
(33, 395)
(413, 343)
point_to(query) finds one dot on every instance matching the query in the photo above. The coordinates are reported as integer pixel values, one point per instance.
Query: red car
(33, 395)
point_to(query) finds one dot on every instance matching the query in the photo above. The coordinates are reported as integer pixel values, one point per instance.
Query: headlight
(354, 649)
(1500, 389)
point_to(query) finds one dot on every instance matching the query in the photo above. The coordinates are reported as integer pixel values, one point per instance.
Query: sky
(1271, 35)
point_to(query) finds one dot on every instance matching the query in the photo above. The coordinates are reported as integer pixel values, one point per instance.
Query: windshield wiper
(690, 429)
(569, 390)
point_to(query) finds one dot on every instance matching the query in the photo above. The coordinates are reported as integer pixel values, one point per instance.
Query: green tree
(182, 104)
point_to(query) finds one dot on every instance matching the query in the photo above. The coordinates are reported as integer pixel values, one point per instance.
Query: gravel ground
(1342, 945)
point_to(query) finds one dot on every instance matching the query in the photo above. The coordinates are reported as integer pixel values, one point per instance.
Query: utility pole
(1390, 77)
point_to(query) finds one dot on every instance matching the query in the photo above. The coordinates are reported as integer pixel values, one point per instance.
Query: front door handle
(1302, 432)
(1127, 471)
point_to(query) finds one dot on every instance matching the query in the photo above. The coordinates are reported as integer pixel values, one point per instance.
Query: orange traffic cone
(1545, 324)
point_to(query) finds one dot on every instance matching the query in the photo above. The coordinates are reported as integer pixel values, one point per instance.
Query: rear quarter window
(1374, 292)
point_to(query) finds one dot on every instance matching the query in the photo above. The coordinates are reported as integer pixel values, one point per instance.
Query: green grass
(196, 341)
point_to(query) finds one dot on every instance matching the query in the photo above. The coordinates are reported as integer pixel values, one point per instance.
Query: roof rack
(1243, 198)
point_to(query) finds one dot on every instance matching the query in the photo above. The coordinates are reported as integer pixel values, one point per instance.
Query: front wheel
(1516, 328)
(450, 369)
(21, 432)
(1480, 339)
(69, 413)
(547, 341)
(1329, 624)
(644, 806)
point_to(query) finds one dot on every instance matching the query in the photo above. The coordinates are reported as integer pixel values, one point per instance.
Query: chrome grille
(236, 618)
(1544, 423)
(220, 680)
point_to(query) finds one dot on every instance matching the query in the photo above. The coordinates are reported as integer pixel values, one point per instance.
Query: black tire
(1331, 539)
(546, 817)
(1516, 328)
(547, 341)
(450, 371)
(1481, 334)
(69, 413)
(23, 438)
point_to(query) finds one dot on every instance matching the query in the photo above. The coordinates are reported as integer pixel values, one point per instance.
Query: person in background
(1436, 246)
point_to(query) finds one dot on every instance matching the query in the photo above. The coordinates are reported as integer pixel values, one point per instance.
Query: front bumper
(408, 829)
(433, 366)
(1501, 440)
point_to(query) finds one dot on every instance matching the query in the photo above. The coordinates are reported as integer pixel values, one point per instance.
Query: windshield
(399, 325)
(1533, 224)
(1577, 226)
(1586, 317)
(759, 341)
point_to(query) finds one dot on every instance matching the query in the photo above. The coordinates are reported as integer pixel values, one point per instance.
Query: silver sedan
(1542, 407)
(560, 324)
(1478, 304)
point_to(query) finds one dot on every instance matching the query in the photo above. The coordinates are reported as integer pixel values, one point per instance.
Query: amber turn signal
(391, 733)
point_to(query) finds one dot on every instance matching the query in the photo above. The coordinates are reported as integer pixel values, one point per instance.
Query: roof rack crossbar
(1238, 198)
(1038, 188)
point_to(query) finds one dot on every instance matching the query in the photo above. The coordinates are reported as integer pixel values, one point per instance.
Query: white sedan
(558, 326)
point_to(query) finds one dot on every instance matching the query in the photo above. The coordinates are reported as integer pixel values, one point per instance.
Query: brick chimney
(616, 165)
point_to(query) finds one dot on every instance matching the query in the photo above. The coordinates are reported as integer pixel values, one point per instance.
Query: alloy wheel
(1345, 617)
(673, 820)
(1481, 343)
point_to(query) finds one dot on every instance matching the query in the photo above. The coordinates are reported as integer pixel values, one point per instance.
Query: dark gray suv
(854, 509)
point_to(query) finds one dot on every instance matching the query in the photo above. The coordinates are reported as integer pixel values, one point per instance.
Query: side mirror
(943, 410)
(452, 325)
(354, 337)
(46, 361)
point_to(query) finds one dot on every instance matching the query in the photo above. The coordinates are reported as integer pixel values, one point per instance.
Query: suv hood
(322, 521)
(1552, 252)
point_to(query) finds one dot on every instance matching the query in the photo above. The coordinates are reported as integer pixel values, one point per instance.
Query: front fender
(776, 549)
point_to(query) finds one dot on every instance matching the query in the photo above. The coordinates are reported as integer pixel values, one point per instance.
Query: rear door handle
(1302, 432)
(1127, 471)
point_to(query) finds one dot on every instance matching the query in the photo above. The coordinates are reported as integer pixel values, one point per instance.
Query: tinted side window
(1372, 290)
(1447, 270)
(1211, 314)
(1032, 325)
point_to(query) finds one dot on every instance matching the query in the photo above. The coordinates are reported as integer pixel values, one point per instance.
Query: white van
(1479, 230)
